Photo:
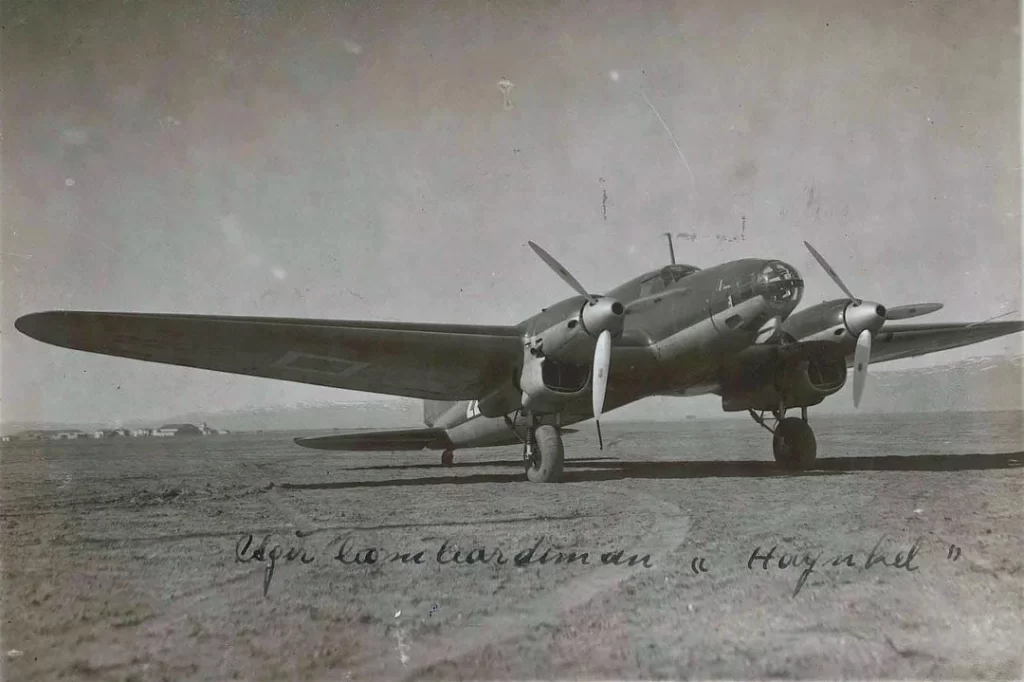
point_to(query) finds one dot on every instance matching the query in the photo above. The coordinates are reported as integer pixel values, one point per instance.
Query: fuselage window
(651, 286)
(669, 275)
(742, 290)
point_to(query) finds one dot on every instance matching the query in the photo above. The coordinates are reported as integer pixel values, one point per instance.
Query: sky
(389, 161)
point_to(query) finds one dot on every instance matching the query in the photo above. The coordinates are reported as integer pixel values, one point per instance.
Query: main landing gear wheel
(544, 461)
(794, 444)
(447, 458)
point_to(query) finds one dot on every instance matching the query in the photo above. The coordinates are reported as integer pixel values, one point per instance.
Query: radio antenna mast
(671, 250)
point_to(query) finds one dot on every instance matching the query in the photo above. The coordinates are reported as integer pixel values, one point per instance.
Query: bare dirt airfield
(119, 557)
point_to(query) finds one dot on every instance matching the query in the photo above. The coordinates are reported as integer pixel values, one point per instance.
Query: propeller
(602, 359)
(863, 319)
(562, 272)
(604, 316)
(861, 359)
(831, 273)
(900, 312)
(905, 312)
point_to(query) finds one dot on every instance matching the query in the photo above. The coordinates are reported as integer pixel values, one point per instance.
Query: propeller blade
(599, 382)
(561, 272)
(602, 358)
(903, 312)
(831, 273)
(861, 359)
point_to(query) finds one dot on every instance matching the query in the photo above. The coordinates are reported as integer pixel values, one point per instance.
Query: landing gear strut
(543, 453)
(792, 439)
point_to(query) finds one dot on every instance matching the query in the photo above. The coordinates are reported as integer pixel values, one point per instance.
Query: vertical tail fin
(432, 409)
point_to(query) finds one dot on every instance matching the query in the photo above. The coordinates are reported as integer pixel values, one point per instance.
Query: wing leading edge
(428, 361)
(896, 341)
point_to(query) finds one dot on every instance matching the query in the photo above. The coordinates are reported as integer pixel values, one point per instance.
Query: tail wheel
(447, 458)
(794, 444)
(545, 462)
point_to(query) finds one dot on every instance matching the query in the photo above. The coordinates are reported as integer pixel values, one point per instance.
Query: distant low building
(111, 433)
(60, 434)
(182, 429)
(72, 434)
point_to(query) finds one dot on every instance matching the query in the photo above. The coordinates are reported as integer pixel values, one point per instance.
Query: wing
(429, 361)
(754, 369)
(908, 340)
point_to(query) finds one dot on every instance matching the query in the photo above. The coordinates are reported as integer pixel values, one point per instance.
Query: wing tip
(314, 442)
(55, 327)
(36, 325)
(394, 440)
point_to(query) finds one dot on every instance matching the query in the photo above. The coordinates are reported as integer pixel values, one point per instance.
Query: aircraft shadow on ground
(473, 465)
(602, 469)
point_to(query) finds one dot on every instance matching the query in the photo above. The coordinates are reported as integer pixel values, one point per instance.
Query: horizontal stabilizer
(402, 439)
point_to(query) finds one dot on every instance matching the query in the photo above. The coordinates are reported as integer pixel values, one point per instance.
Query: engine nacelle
(548, 384)
(572, 341)
(838, 321)
(812, 380)
(567, 341)
(801, 383)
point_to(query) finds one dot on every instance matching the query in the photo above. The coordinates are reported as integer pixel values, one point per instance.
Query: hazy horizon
(358, 161)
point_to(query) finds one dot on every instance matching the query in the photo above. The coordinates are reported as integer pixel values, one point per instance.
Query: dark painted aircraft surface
(679, 330)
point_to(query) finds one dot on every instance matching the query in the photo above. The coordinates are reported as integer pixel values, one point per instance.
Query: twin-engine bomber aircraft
(676, 331)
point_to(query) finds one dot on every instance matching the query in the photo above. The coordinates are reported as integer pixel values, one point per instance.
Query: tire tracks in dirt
(284, 529)
(668, 532)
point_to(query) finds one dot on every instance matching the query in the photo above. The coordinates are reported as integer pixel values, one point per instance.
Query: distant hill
(299, 417)
(311, 416)
(984, 384)
(979, 384)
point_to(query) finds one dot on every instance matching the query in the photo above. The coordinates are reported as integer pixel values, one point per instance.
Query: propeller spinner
(864, 319)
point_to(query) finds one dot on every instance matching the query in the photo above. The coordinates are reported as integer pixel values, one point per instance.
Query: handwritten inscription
(349, 553)
(805, 561)
(271, 556)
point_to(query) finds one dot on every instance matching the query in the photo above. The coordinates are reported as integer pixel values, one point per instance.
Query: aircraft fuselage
(679, 322)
